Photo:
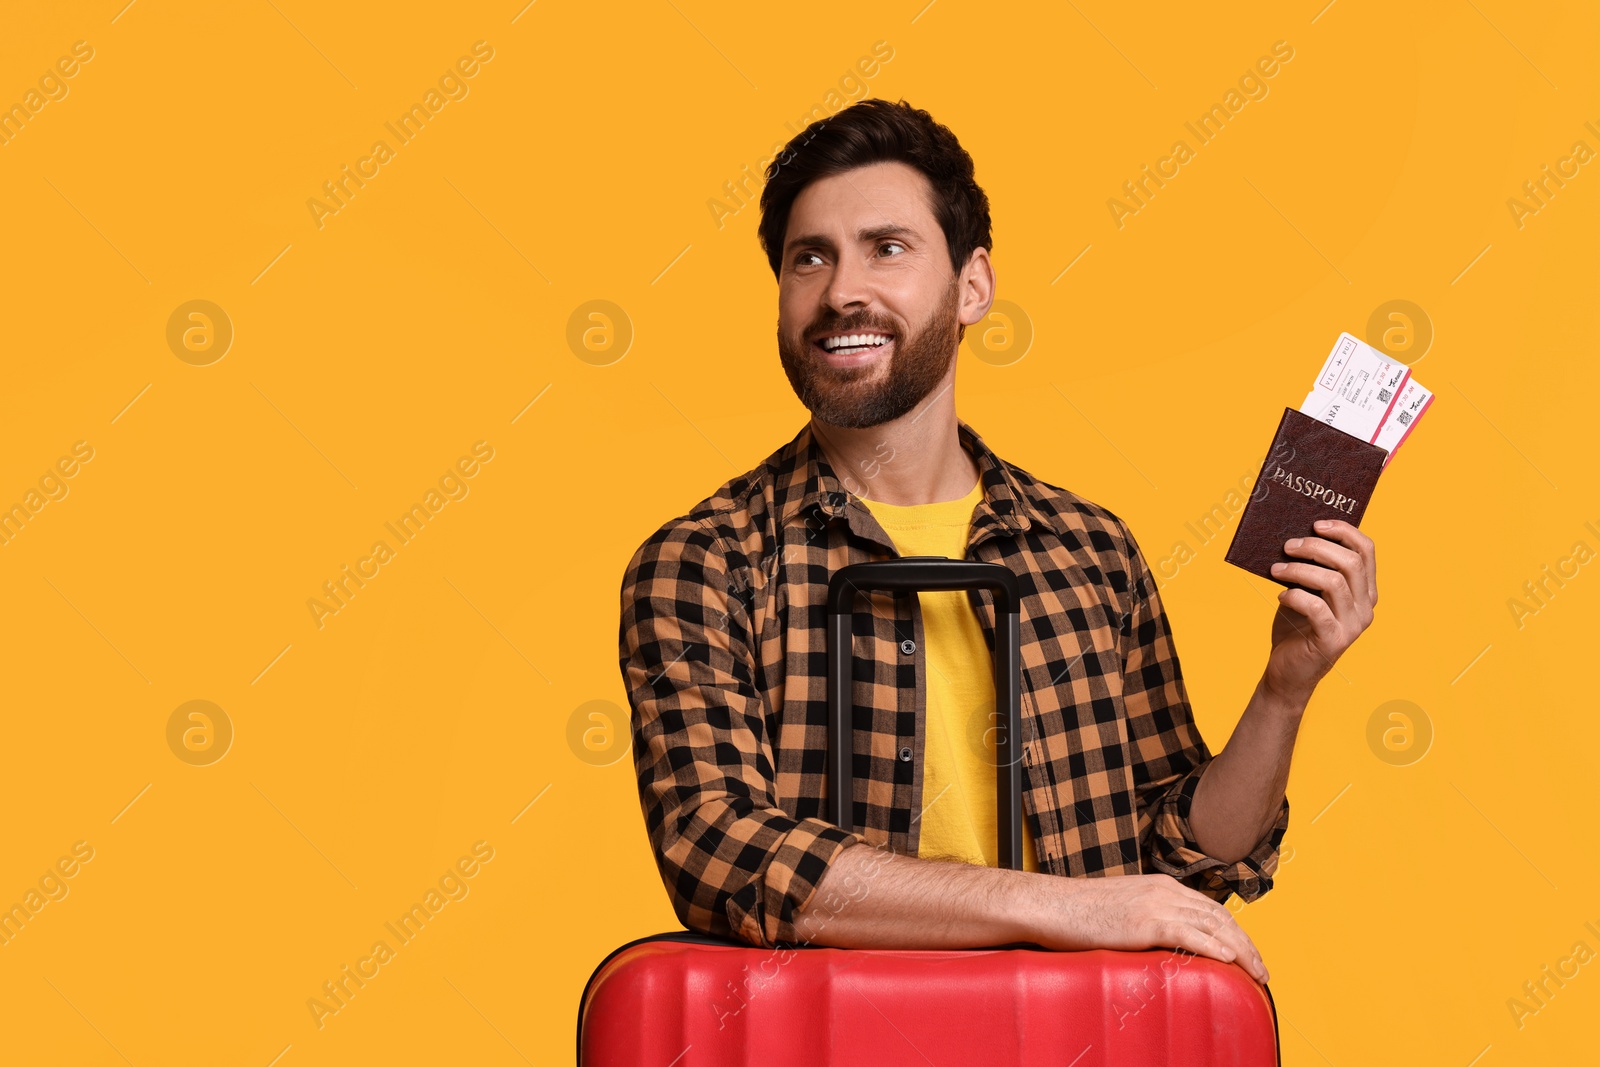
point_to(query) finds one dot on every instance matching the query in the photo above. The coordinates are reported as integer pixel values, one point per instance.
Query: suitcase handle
(934, 573)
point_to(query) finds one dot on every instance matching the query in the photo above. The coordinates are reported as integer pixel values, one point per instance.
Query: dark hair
(876, 131)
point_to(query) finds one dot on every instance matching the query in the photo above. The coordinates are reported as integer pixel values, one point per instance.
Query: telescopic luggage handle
(931, 573)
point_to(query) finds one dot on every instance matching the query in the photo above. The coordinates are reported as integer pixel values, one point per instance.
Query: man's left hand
(1313, 626)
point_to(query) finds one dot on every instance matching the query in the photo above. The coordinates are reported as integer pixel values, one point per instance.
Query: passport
(1314, 470)
(1326, 457)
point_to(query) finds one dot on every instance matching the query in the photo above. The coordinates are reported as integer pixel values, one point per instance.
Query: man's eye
(891, 244)
(799, 260)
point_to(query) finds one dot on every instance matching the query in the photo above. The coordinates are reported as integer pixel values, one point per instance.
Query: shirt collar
(807, 485)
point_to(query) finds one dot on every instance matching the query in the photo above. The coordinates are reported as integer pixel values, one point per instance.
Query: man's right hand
(1136, 912)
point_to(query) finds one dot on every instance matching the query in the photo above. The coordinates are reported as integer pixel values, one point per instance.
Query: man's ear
(976, 283)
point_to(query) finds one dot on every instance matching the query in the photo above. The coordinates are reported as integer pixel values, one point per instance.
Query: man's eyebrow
(874, 233)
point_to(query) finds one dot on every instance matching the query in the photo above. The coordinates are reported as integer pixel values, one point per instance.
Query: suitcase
(688, 999)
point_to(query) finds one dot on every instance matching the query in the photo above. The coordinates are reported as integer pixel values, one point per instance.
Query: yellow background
(432, 310)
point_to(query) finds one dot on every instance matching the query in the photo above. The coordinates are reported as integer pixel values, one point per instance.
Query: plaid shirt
(724, 658)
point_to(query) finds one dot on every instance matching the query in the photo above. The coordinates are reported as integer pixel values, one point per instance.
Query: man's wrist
(1032, 901)
(1284, 701)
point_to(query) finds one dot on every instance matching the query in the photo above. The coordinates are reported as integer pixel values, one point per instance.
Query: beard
(858, 397)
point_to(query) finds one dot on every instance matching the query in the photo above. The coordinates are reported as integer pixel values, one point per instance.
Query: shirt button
(905, 754)
(908, 646)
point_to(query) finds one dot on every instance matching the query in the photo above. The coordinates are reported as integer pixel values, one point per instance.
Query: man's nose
(848, 286)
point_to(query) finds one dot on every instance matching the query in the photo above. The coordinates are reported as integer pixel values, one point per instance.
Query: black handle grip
(933, 573)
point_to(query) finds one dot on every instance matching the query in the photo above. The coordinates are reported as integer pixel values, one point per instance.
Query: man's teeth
(855, 340)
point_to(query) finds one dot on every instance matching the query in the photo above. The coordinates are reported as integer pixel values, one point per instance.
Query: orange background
(1438, 862)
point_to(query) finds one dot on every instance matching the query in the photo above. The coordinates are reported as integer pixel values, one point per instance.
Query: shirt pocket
(1072, 660)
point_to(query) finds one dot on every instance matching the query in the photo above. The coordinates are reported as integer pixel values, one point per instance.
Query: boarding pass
(1367, 394)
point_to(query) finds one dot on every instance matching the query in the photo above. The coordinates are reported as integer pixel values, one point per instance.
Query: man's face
(864, 259)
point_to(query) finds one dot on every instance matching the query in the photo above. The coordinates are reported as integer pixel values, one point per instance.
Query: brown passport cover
(1313, 471)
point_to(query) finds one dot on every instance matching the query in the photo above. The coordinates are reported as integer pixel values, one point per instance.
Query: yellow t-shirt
(958, 778)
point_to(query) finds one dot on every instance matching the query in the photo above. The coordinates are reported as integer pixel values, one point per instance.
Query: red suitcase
(687, 999)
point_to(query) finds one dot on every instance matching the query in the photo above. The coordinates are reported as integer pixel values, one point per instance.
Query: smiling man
(879, 238)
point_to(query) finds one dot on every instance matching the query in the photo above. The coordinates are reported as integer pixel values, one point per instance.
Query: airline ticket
(1356, 389)
(1367, 394)
(1408, 408)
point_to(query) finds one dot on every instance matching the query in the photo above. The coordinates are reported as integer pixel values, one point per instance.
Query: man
(879, 238)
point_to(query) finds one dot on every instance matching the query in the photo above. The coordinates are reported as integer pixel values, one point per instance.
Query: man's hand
(1144, 911)
(1313, 626)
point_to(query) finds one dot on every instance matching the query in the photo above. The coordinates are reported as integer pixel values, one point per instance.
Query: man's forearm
(870, 898)
(1240, 792)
